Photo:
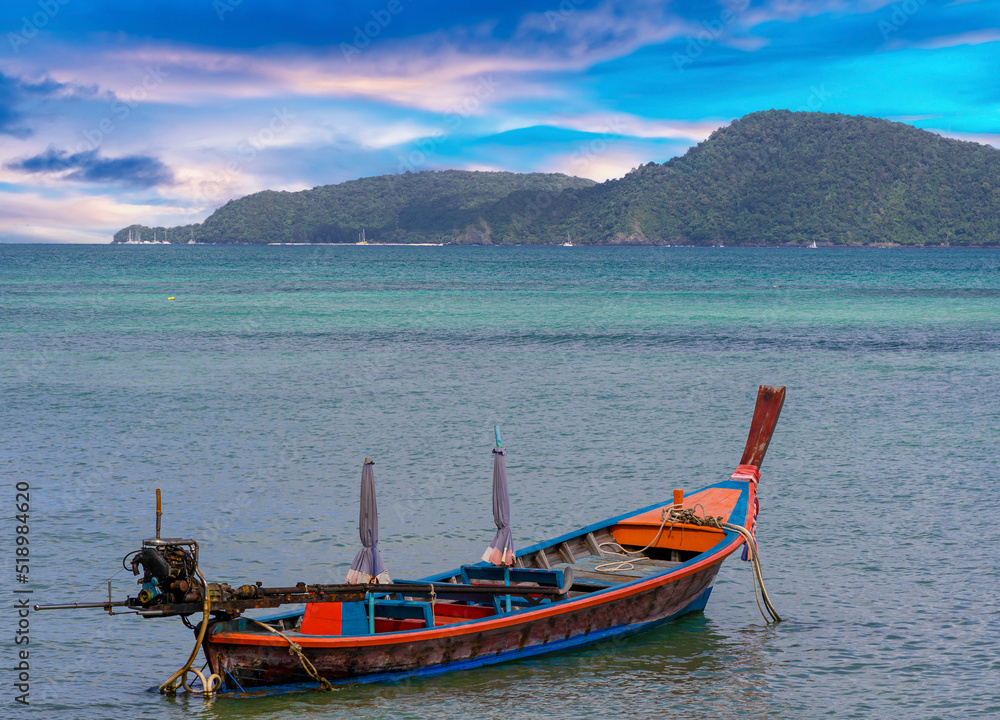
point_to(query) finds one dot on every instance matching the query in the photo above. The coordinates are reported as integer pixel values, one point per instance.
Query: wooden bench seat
(521, 579)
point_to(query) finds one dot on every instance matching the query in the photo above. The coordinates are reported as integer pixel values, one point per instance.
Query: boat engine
(169, 568)
(171, 581)
(169, 571)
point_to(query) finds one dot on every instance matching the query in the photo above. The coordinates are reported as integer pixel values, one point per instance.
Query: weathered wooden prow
(770, 399)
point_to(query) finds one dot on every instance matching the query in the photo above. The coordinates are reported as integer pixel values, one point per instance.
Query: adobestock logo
(48, 9)
(900, 15)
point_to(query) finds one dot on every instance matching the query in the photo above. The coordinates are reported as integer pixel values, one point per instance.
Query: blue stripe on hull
(696, 605)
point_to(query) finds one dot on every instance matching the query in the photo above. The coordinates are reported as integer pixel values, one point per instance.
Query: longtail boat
(611, 579)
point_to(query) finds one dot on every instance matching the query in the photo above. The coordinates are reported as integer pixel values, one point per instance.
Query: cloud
(607, 165)
(426, 74)
(913, 118)
(791, 11)
(619, 124)
(610, 29)
(77, 218)
(14, 94)
(439, 71)
(134, 171)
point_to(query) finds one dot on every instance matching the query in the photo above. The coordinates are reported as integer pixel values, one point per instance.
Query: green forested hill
(779, 177)
(769, 178)
(413, 207)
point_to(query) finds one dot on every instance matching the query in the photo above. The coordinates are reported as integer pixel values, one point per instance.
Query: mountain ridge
(773, 177)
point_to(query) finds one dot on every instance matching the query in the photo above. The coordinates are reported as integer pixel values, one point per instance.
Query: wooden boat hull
(255, 665)
(247, 658)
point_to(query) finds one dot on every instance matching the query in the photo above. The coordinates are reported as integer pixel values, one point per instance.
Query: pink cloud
(438, 72)
(600, 166)
(440, 79)
(77, 218)
(791, 11)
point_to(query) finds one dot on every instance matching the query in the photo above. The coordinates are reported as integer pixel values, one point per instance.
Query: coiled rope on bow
(295, 649)
(669, 516)
(689, 516)
(630, 556)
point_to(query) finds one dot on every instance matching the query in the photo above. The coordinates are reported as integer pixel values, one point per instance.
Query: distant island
(770, 178)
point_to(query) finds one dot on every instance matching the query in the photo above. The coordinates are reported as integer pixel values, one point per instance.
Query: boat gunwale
(716, 554)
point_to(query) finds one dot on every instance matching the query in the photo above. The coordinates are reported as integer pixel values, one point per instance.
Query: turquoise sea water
(616, 374)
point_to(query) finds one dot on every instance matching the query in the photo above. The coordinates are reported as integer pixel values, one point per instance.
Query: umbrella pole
(371, 612)
(506, 582)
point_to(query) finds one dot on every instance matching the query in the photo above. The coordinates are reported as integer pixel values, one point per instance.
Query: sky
(114, 112)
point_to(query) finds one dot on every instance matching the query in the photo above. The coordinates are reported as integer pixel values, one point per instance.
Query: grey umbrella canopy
(368, 565)
(501, 550)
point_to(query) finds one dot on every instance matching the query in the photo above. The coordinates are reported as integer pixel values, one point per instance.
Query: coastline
(881, 246)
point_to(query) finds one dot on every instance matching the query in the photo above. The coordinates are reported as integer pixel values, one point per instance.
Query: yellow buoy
(170, 298)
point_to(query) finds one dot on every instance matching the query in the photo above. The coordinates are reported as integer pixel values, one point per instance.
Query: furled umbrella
(501, 550)
(368, 566)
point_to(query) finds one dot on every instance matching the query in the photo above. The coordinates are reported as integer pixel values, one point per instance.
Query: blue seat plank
(405, 610)
(492, 573)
